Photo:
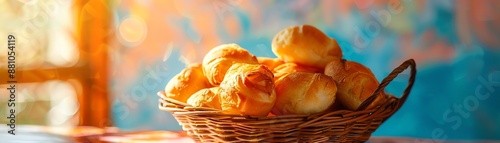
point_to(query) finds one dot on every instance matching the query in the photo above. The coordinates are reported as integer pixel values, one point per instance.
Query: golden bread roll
(271, 63)
(250, 90)
(288, 68)
(208, 97)
(356, 88)
(382, 97)
(355, 82)
(219, 59)
(305, 45)
(187, 82)
(342, 68)
(304, 93)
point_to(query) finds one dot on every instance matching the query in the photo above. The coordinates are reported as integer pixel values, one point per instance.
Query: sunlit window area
(46, 51)
(56, 73)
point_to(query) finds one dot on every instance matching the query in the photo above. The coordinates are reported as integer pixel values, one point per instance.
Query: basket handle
(413, 72)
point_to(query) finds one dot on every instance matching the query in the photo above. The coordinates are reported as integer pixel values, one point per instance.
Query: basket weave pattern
(211, 125)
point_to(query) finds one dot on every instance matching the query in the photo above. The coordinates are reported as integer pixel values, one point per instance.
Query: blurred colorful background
(101, 63)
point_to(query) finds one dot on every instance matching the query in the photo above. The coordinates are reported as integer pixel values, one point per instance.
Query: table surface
(28, 133)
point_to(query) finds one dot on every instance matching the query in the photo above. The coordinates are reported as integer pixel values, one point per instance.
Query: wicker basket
(210, 125)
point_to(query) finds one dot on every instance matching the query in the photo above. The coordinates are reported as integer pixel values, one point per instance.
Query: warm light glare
(132, 31)
(63, 102)
(62, 50)
(52, 102)
(43, 31)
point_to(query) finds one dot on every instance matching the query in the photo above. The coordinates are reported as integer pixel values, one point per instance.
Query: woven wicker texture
(211, 125)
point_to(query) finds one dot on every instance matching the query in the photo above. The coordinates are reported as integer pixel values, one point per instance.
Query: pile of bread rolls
(309, 76)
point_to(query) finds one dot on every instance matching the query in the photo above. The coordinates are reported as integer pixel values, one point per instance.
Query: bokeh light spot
(132, 31)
